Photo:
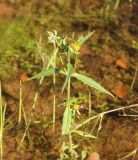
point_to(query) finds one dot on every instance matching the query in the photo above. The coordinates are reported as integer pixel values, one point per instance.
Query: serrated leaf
(69, 73)
(92, 83)
(84, 134)
(82, 39)
(67, 119)
(47, 72)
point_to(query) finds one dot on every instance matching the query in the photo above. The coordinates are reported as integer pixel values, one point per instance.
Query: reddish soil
(118, 136)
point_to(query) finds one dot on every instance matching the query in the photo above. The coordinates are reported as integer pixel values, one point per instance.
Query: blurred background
(110, 56)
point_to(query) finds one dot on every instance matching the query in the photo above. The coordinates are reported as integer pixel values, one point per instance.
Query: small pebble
(93, 156)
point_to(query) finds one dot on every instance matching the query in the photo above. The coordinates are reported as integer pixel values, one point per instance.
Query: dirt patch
(108, 58)
(6, 11)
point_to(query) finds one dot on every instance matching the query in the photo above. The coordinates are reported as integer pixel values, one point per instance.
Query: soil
(109, 57)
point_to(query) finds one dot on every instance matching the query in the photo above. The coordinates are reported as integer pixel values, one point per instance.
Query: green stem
(90, 104)
(24, 135)
(68, 93)
(35, 98)
(20, 104)
(1, 125)
(2, 120)
(21, 107)
(54, 84)
(134, 78)
(76, 60)
(68, 105)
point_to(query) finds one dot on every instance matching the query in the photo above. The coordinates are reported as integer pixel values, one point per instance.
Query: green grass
(17, 45)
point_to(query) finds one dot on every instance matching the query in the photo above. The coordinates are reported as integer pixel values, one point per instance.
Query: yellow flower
(75, 46)
(76, 107)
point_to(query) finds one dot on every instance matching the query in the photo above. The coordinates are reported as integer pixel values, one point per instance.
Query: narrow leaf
(82, 39)
(67, 118)
(69, 73)
(90, 82)
(46, 72)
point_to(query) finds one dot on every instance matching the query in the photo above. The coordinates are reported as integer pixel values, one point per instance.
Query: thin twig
(103, 113)
(134, 78)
